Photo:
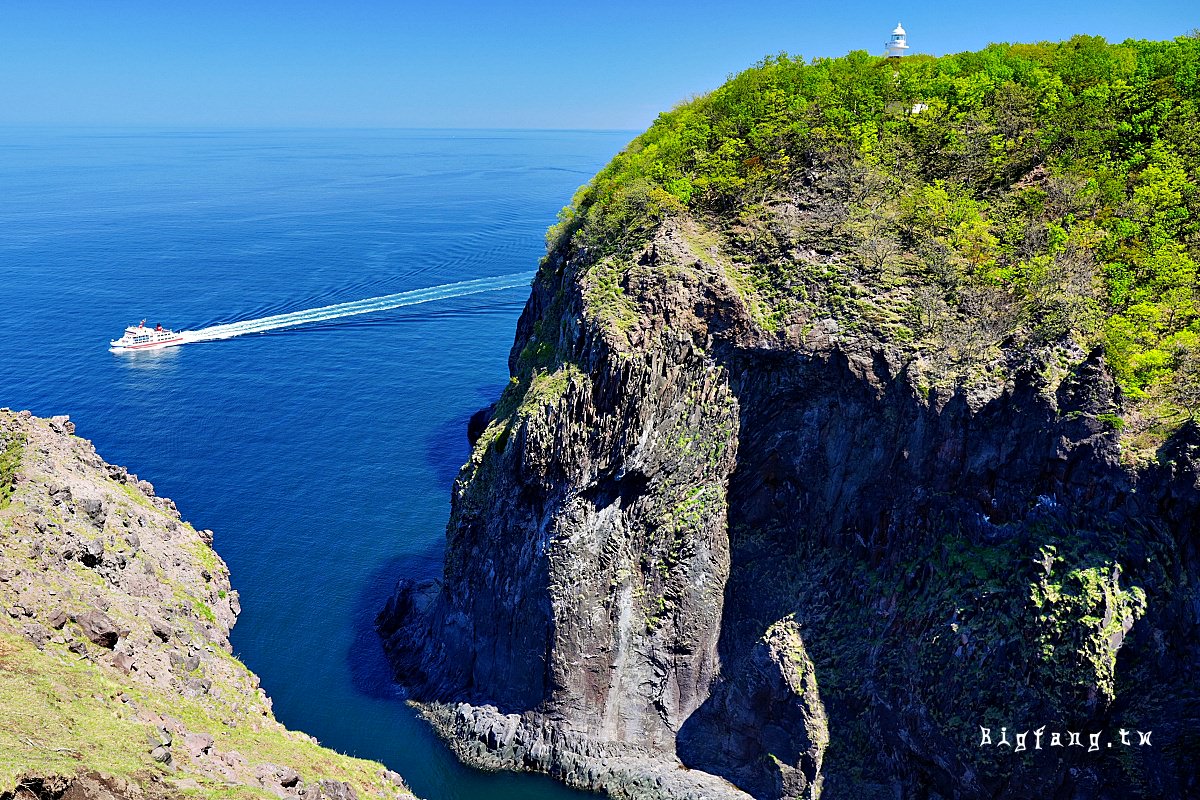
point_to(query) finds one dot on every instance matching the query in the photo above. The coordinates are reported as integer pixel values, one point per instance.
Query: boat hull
(114, 347)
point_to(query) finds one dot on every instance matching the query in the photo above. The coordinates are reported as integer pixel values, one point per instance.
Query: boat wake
(368, 306)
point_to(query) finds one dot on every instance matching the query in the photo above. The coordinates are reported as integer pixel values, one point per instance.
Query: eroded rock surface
(670, 497)
(116, 673)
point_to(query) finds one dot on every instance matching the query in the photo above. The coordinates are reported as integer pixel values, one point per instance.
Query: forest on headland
(1045, 191)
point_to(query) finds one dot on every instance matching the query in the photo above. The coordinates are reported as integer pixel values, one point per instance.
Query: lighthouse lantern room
(898, 43)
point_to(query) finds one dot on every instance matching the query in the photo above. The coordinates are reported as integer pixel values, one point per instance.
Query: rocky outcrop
(690, 550)
(599, 548)
(766, 729)
(116, 673)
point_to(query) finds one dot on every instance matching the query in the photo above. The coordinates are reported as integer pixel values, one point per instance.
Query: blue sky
(463, 63)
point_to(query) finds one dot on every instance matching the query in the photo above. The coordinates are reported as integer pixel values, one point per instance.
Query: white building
(898, 43)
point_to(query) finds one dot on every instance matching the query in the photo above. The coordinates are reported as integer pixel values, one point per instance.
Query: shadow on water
(369, 671)
(430, 769)
(447, 447)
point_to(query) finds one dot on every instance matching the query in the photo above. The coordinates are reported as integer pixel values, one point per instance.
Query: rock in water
(479, 422)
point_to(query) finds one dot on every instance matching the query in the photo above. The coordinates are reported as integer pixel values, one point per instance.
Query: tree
(1184, 390)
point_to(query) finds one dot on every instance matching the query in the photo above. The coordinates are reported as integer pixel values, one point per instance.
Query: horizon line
(232, 127)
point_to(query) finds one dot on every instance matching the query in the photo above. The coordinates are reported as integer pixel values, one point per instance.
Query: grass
(547, 388)
(62, 716)
(52, 722)
(10, 462)
(606, 297)
(135, 494)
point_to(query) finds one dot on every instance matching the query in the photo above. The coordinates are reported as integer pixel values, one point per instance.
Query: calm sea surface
(321, 456)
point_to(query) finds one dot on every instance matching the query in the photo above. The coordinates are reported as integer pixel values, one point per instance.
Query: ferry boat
(139, 337)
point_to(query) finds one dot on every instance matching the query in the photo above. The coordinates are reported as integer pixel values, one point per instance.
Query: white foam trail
(370, 305)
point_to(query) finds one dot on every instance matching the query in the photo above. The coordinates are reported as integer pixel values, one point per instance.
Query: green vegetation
(606, 297)
(51, 726)
(135, 494)
(547, 388)
(977, 632)
(1026, 194)
(64, 715)
(10, 462)
(1082, 612)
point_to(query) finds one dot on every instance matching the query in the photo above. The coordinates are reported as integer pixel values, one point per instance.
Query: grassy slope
(62, 716)
(63, 713)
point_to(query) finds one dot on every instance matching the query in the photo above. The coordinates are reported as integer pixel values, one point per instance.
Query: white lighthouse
(898, 43)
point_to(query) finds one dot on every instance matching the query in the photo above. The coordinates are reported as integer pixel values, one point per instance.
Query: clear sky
(467, 63)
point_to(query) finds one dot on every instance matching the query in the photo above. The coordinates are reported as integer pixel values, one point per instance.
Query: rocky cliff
(116, 673)
(692, 545)
(806, 487)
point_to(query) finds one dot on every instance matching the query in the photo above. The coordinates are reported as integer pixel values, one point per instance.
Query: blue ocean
(321, 456)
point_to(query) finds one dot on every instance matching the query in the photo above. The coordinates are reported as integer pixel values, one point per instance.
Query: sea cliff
(117, 679)
(839, 440)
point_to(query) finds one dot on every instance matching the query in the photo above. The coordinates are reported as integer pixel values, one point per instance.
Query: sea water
(321, 456)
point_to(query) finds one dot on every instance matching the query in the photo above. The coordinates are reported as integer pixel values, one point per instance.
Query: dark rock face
(479, 422)
(765, 730)
(683, 540)
(590, 613)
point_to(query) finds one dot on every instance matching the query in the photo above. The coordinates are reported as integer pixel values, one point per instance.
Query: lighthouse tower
(898, 43)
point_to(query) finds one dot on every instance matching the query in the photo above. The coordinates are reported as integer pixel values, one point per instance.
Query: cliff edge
(116, 673)
(850, 436)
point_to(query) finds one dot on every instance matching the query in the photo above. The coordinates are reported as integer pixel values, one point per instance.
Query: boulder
(198, 745)
(278, 779)
(92, 553)
(37, 634)
(337, 790)
(160, 735)
(99, 628)
(160, 629)
(94, 508)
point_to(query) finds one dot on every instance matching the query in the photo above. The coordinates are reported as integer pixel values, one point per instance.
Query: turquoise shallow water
(322, 457)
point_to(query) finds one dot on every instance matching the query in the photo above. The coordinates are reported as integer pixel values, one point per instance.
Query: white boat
(139, 337)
